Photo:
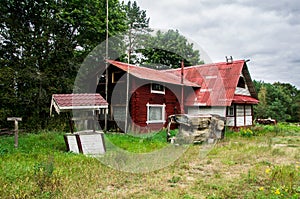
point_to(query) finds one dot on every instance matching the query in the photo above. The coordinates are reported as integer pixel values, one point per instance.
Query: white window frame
(231, 111)
(157, 91)
(162, 106)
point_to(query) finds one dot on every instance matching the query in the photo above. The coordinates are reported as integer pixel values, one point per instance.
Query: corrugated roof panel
(152, 74)
(242, 99)
(218, 80)
(77, 100)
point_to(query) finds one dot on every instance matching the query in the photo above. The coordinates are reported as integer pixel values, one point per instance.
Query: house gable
(249, 82)
(226, 90)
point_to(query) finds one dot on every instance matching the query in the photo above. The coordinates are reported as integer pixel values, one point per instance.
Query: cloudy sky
(266, 32)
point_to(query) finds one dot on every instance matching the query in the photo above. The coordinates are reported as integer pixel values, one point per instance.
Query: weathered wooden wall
(142, 95)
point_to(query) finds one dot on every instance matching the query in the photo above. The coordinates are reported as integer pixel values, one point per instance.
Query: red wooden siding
(138, 105)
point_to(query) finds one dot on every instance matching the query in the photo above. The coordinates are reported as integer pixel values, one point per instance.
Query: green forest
(44, 42)
(280, 101)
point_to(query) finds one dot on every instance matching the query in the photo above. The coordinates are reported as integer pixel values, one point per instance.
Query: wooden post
(182, 88)
(16, 120)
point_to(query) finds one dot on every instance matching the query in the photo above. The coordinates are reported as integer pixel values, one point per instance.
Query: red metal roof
(151, 74)
(91, 101)
(215, 83)
(218, 83)
(242, 99)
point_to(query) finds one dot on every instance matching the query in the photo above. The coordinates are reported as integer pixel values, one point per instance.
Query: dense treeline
(42, 44)
(280, 101)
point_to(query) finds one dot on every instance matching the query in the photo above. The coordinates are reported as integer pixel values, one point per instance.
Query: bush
(246, 132)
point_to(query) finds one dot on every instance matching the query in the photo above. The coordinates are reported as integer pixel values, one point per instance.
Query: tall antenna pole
(106, 67)
(127, 84)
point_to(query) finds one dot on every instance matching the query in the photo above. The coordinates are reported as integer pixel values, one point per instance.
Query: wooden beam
(16, 120)
(83, 118)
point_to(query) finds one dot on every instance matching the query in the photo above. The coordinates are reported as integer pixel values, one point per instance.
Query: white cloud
(266, 32)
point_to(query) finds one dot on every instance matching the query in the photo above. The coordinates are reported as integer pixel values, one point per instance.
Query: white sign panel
(71, 143)
(92, 143)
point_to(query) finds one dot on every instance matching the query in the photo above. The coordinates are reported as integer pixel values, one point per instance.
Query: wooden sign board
(86, 142)
(71, 142)
(14, 119)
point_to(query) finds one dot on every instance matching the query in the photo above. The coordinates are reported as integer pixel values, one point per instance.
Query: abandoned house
(224, 88)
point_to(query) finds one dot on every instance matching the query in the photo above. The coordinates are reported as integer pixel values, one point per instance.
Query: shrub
(246, 132)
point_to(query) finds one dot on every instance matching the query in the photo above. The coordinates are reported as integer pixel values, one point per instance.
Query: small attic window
(116, 76)
(241, 83)
(157, 88)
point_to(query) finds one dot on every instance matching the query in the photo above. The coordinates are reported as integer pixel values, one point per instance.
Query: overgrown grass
(265, 164)
(142, 143)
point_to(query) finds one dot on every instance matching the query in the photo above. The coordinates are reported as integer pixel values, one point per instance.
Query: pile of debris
(196, 128)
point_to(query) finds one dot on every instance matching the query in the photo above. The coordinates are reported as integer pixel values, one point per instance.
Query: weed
(3, 151)
(45, 179)
(278, 152)
(187, 196)
(174, 179)
(246, 132)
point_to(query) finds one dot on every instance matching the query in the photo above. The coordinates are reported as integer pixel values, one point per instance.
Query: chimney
(229, 60)
(182, 71)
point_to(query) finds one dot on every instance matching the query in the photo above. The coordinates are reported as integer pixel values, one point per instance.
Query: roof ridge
(168, 77)
(206, 65)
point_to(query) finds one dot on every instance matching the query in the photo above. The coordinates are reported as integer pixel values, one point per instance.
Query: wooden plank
(83, 118)
(14, 119)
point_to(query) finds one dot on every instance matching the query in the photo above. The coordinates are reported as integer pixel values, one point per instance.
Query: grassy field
(261, 162)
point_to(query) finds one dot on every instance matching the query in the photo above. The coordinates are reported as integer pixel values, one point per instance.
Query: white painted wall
(249, 120)
(240, 121)
(242, 91)
(230, 121)
(218, 110)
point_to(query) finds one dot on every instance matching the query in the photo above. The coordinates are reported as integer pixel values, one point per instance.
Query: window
(155, 113)
(241, 82)
(248, 110)
(115, 76)
(230, 110)
(157, 88)
(240, 111)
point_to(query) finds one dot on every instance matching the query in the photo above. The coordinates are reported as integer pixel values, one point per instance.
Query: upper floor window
(116, 76)
(157, 88)
(241, 83)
